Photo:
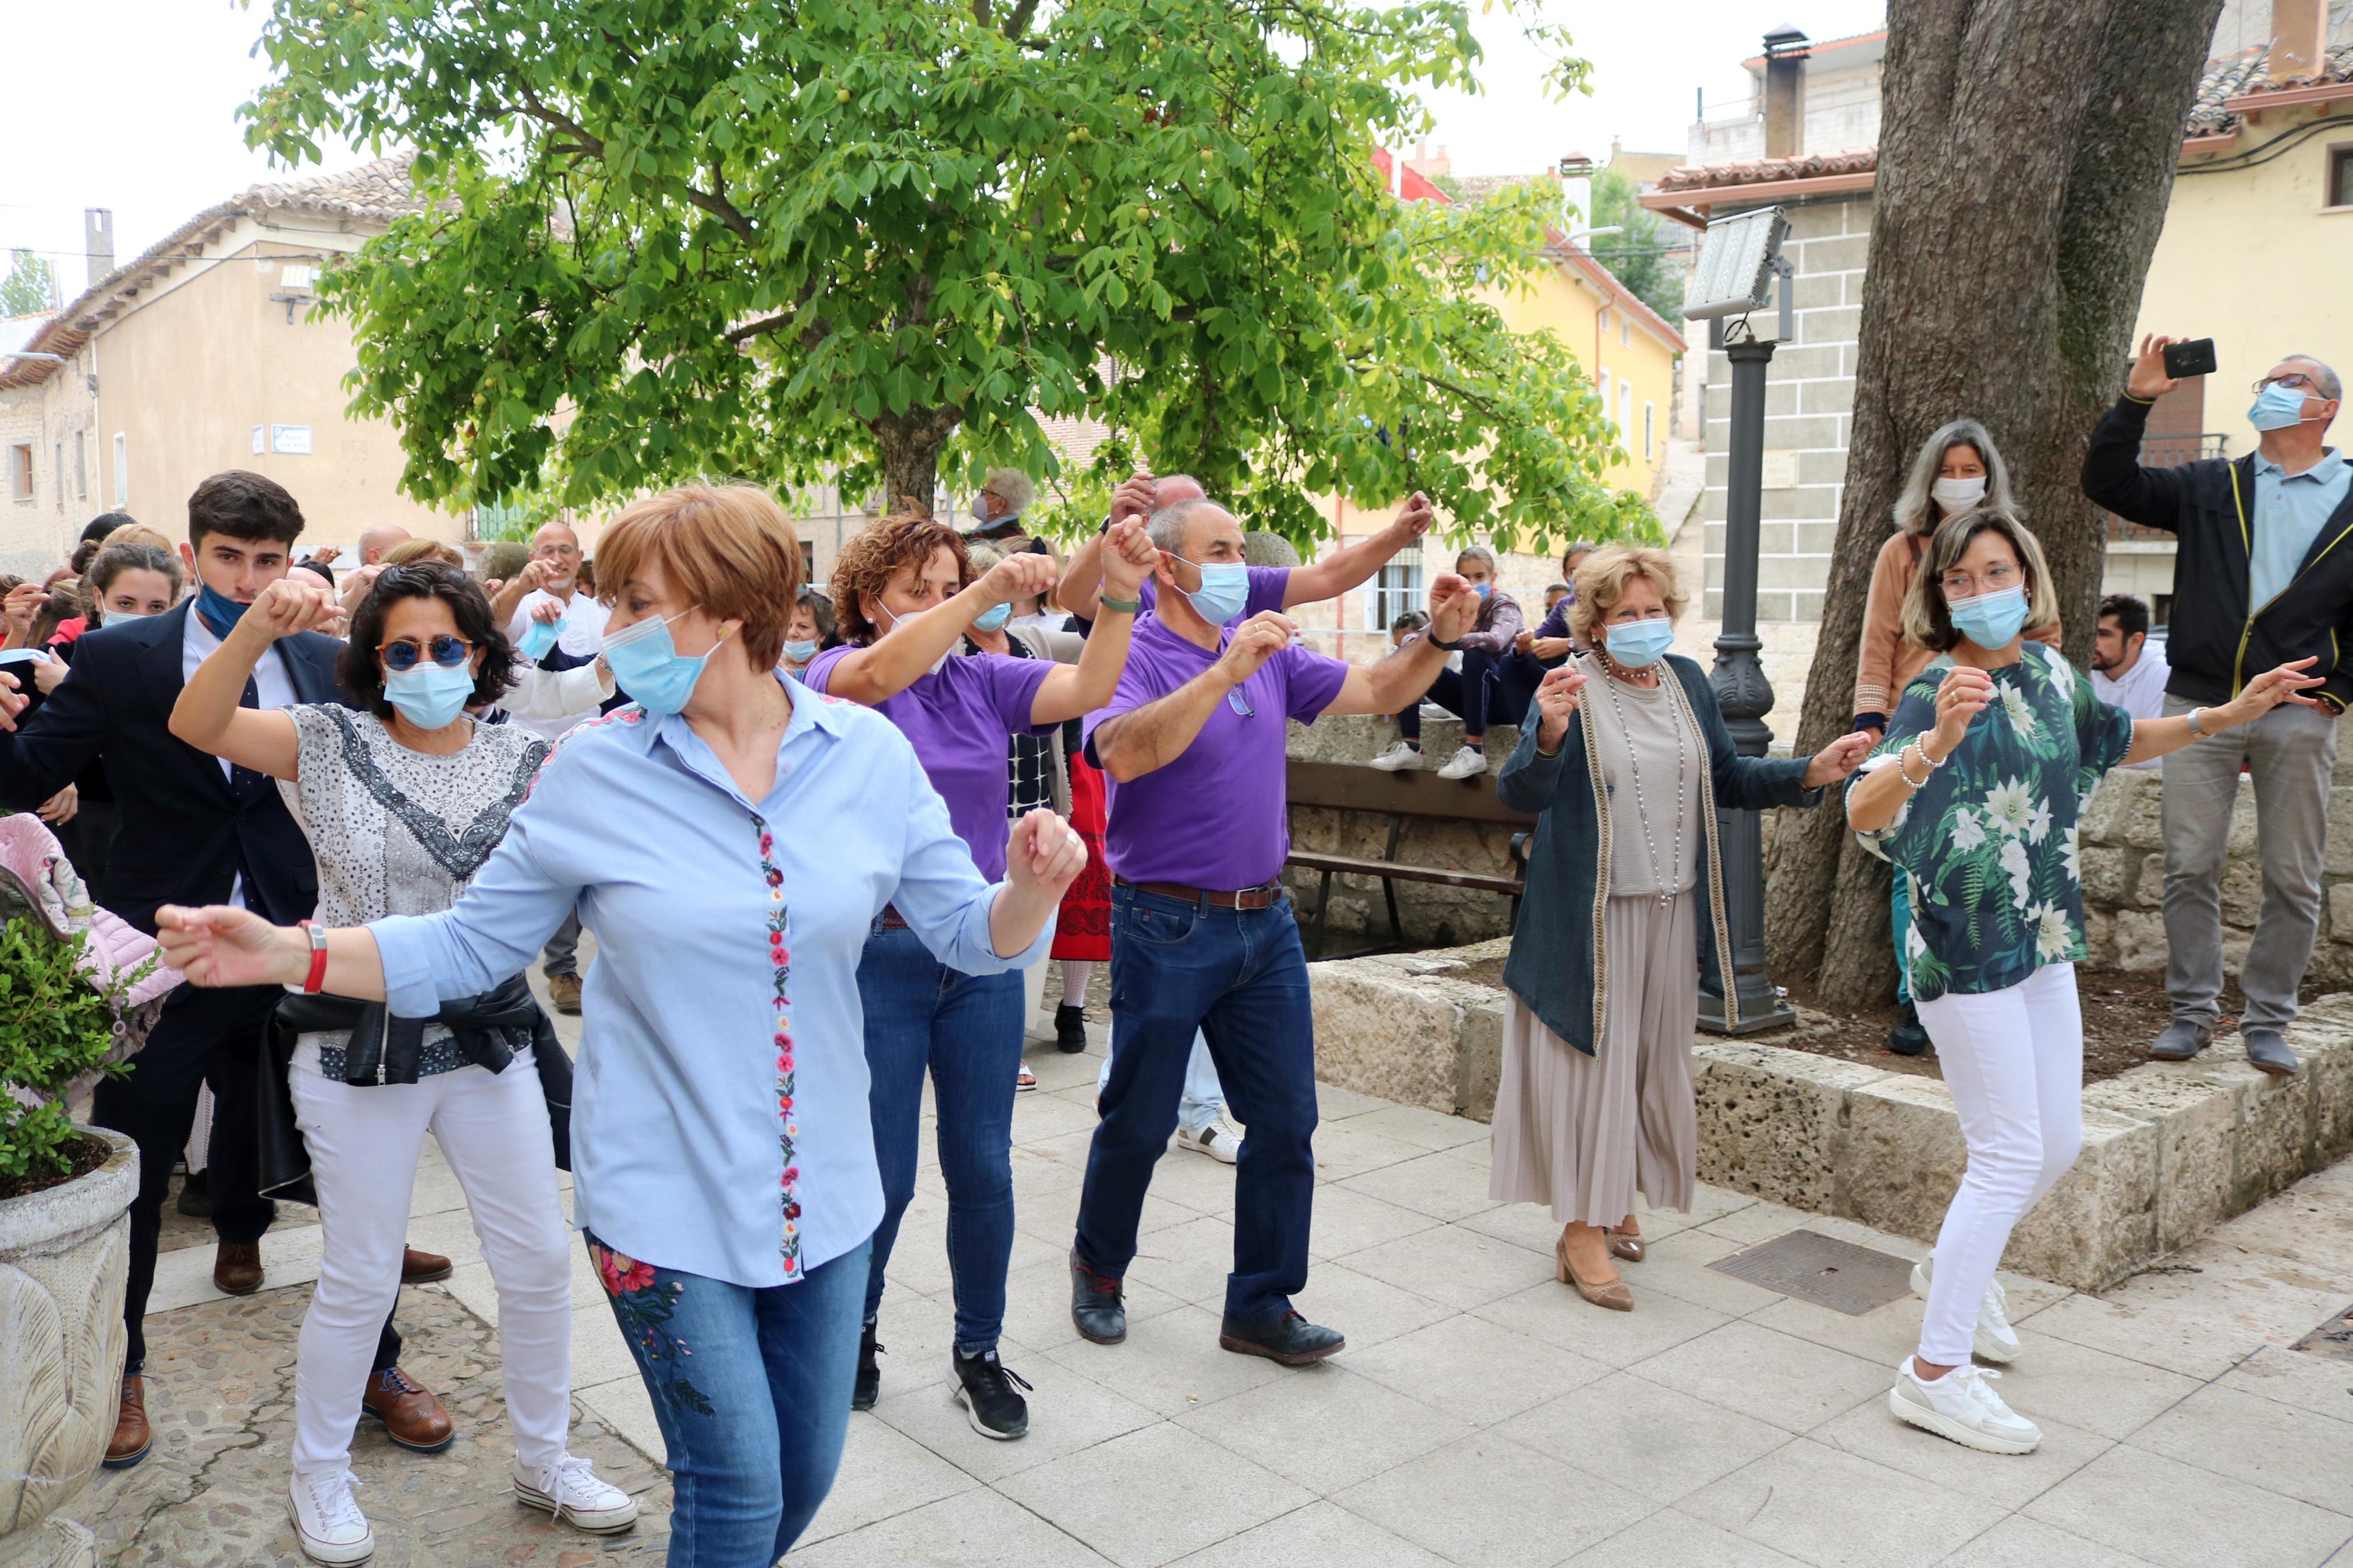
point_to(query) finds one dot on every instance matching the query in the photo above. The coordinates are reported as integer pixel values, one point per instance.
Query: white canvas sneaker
(1220, 1138)
(1963, 1406)
(1398, 757)
(1993, 1338)
(327, 1519)
(571, 1491)
(1465, 763)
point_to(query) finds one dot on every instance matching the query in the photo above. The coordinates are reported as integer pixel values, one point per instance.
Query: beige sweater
(1887, 660)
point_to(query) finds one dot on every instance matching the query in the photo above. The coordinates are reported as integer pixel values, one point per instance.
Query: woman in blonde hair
(1625, 766)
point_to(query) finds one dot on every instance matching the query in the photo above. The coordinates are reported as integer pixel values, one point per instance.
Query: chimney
(2299, 39)
(1785, 93)
(98, 241)
(1576, 173)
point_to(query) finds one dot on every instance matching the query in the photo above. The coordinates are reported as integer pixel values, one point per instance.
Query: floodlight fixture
(1738, 258)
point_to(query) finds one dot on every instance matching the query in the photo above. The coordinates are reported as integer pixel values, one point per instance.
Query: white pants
(2014, 1061)
(363, 1143)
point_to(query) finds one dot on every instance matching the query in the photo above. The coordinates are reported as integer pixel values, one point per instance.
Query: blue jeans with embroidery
(752, 1388)
(966, 1029)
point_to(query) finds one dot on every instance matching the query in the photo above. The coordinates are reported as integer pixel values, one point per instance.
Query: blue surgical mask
(1992, 621)
(897, 621)
(800, 652)
(990, 619)
(538, 638)
(430, 695)
(1637, 644)
(2277, 408)
(219, 611)
(647, 666)
(1483, 589)
(1224, 592)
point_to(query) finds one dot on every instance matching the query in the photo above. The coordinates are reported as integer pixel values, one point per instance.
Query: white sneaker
(1220, 1139)
(1994, 1339)
(1963, 1406)
(1467, 763)
(1399, 756)
(1432, 713)
(327, 1521)
(569, 1490)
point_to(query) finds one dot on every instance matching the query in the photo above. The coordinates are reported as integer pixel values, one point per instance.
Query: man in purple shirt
(1202, 934)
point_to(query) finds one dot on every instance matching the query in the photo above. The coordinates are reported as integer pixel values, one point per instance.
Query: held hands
(2267, 692)
(1556, 697)
(326, 554)
(1416, 516)
(1837, 760)
(286, 606)
(2146, 380)
(1018, 577)
(1254, 642)
(1133, 498)
(1043, 855)
(217, 945)
(1452, 608)
(1128, 558)
(357, 586)
(1961, 697)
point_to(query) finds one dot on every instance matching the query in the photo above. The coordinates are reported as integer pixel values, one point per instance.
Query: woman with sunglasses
(403, 801)
(907, 597)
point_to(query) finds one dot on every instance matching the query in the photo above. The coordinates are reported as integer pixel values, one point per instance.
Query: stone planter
(63, 1253)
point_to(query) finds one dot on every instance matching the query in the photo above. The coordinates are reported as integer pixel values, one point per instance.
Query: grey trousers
(558, 958)
(2288, 752)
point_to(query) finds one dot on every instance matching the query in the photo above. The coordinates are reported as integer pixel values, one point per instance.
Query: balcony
(2165, 452)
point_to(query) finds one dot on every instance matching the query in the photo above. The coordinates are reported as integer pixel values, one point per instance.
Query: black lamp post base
(1766, 1013)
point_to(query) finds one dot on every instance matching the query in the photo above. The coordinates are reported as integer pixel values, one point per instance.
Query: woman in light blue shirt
(723, 1158)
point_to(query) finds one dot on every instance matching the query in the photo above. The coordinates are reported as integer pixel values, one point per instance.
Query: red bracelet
(318, 975)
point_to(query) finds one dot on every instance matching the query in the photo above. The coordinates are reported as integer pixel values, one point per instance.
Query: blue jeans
(1489, 687)
(966, 1029)
(1899, 903)
(1241, 977)
(1204, 1097)
(752, 1389)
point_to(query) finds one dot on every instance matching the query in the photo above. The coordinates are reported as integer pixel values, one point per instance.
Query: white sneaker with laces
(1963, 1406)
(327, 1519)
(1399, 756)
(1220, 1138)
(1468, 762)
(1994, 1339)
(570, 1490)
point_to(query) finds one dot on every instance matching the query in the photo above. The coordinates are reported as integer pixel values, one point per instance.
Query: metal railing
(2166, 452)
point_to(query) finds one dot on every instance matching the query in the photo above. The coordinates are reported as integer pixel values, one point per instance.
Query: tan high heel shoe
(1626, 1242)
(1610, 1292)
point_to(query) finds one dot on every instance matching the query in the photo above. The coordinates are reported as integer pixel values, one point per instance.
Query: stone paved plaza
(1482, 1414)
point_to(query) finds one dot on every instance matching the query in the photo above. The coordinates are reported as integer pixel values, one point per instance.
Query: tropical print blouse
(1989, 842)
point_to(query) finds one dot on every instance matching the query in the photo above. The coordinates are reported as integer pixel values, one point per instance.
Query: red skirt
(1082, 930)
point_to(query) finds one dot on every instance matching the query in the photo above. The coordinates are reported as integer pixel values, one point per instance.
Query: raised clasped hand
(1128, 557)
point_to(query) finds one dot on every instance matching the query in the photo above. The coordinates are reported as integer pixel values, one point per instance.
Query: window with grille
(1399, 588)
(1650, 430)
(20, 471)
(2340, 176)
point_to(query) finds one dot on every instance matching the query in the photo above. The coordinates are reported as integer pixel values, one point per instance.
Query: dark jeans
(1241, 977)
(1489, 689)
(966, 1029)
(560, 956)
(752, 1389)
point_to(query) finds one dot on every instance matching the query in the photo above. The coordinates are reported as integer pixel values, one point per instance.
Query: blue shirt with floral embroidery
(719, 1120)
(1988, 843)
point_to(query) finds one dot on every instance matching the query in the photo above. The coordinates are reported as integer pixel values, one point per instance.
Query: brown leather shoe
(563, 990)
(237, 1268)
(132, 1436)
(421, 1268)
(412, 1417)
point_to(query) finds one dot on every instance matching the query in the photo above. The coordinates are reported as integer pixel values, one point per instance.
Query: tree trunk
(910, 443)
(2026, 155)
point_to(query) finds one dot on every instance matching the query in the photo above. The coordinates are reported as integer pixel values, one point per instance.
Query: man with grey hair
(2264, 571)
(1005, 495)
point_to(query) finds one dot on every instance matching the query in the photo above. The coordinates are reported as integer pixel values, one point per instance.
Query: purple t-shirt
(957, 718)
(1267, 587)
(1214, 817)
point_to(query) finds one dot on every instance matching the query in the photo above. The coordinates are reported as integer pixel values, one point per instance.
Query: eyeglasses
(1241, 703)
(445, 649)
(2294, 381)
(1961, 585)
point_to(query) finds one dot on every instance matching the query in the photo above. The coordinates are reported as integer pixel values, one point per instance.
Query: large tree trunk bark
(910, 443)
(2026, 153)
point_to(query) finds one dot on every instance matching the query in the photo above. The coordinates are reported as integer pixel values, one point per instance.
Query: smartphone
(2193, 358)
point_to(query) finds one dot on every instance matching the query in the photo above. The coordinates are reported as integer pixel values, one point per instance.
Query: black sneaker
(1096, 1307)
(868, 1386)
(1290, 1339)
(1908, 1038)
(196, 1195)
(985, 1389)
(1070, 1028)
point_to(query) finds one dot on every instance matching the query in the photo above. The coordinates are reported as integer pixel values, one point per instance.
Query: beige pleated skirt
(1585, 1133)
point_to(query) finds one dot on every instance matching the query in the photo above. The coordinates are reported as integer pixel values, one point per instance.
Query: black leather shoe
(1908, 1038)
(2268, 1049)
(1070, 1028)
(2180, 1041)
(868, 1386)
(1290, 1339)
(1096, 1310)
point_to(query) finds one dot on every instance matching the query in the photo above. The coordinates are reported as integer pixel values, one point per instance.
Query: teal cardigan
(1557, 964)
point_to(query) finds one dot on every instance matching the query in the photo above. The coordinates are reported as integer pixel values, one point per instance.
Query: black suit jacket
(184, 832)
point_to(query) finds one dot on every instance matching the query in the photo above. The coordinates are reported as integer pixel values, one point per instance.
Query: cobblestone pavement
(1482, 1414)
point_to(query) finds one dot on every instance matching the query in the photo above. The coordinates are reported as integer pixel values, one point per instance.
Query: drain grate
(2333, 1338)
(1824, 1270)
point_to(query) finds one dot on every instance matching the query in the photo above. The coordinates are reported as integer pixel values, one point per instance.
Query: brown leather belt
(1261, 897)
(893, 919)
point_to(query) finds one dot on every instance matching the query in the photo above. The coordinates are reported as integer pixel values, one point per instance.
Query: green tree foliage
(54, 1028)
(1636, 255)
(780, 240)
(30, 287)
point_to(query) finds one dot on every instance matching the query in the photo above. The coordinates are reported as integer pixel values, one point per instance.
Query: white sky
(150, 128)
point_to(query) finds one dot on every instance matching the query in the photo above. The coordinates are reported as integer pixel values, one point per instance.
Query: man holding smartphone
(2268, 539)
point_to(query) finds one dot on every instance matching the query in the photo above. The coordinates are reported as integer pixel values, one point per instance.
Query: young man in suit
(195, 830)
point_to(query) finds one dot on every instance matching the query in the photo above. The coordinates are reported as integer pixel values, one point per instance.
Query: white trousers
(2014, 1061)
(363, 1143)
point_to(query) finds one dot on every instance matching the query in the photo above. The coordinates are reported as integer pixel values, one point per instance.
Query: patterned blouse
(1988, 843)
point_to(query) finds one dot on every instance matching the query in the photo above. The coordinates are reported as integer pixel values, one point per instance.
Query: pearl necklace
(1634, 765)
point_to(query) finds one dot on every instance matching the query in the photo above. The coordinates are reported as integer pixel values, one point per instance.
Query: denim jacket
(1557, 966)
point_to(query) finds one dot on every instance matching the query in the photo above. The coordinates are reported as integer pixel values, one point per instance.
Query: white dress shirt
(271, 681)
(582, 632)
(2140, 692)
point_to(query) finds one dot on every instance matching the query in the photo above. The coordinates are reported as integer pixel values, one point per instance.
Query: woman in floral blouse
(1978, 816)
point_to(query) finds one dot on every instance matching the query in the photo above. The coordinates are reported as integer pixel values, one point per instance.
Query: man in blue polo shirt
(1193, 745)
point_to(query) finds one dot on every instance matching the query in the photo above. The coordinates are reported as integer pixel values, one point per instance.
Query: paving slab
(2187, 1516)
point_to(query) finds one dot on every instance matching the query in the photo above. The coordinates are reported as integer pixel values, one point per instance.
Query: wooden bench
(1345, 787)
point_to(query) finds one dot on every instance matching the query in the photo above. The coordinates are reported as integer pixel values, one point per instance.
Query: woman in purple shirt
(905, 593)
